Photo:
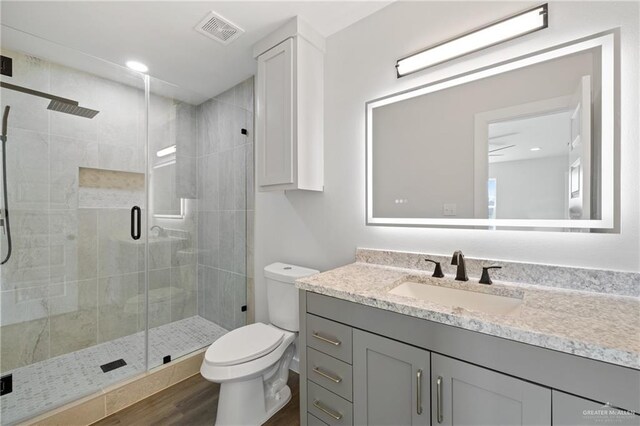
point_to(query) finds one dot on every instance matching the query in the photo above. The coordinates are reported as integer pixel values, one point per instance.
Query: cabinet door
(569, 410)
(390, 382)
(463, 394)
(274, 142)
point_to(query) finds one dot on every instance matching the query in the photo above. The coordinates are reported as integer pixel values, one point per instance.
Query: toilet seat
(223, 373)
(244, 344)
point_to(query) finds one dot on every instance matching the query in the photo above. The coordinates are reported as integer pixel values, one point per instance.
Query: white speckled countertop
(599, 326)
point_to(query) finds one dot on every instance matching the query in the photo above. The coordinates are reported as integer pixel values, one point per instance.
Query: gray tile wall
(225, 204)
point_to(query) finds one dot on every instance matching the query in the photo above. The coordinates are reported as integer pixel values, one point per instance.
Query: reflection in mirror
(165, 200)
(514, 146)
(534, 160)
(172, 174)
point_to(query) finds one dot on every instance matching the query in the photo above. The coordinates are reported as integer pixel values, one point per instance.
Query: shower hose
(5, 223)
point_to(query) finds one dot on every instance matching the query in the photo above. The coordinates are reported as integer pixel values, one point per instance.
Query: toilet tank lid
(284, 272)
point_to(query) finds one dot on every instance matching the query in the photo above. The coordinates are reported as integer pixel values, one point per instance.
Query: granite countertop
(603, 327)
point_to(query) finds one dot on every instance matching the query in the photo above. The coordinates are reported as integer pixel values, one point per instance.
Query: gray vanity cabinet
(390, 382)
(570, 410)
(360, 366)
(464, 394)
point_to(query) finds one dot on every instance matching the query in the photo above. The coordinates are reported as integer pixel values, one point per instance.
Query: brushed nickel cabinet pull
(326, 375)
(328, 411)
(439, 399)
(326, 339)
(419, 392)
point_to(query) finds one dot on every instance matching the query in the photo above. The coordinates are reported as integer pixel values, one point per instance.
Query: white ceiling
(161, 34)
(512, 140)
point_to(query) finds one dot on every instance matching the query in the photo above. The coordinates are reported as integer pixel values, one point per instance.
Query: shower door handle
(136, 216)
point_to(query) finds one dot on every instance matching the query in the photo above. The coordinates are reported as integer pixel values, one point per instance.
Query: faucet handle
(437, 271)
(485, 278)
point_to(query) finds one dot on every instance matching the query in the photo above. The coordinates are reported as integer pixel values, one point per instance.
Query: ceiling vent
(218, 28)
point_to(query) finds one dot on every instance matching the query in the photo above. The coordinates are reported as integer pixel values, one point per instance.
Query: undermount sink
(453, 297)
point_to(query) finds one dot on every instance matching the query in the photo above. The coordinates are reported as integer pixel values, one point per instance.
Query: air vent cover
(219, 28)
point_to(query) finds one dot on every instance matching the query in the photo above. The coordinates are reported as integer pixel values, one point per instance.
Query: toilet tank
(282, 294)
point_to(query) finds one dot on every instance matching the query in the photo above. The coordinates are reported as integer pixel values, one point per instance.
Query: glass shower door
(72, 292)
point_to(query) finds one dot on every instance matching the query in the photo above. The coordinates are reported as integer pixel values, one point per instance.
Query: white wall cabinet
(289, 116)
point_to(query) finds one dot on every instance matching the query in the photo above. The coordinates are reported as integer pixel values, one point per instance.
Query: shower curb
(95, 407)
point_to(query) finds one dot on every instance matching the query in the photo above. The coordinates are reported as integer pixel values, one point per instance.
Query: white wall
(531, 189)
(322, 230)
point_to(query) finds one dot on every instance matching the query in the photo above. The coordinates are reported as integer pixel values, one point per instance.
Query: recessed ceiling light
(137, 66)
(537, 148)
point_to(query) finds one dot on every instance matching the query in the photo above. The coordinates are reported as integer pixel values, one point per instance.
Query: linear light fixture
(506, 29)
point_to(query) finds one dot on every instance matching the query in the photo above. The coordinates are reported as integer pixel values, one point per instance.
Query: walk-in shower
(84, 304)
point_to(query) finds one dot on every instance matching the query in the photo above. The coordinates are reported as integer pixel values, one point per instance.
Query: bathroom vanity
(373, 354)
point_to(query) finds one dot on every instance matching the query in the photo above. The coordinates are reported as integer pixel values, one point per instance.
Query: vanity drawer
(329, 373)
(327, 406)
(314, 421)
(329, 337)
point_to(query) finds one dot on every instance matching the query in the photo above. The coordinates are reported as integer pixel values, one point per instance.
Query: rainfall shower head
(68, 106)
(71, 108)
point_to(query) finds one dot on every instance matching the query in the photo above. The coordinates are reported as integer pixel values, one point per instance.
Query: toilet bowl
(251, 363)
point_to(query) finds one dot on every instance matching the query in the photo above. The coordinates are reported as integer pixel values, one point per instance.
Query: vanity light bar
(506, 29)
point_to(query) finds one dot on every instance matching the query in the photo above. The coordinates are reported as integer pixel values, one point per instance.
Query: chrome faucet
(461, 272)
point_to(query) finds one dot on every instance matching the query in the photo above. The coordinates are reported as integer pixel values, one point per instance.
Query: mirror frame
(607, 42)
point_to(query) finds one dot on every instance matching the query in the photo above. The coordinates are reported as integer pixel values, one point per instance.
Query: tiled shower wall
(225, 205)
(76, 278)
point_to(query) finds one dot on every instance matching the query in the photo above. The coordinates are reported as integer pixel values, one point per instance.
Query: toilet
(251, 363)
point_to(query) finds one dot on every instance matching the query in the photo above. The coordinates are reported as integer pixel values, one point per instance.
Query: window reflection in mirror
(164, 195)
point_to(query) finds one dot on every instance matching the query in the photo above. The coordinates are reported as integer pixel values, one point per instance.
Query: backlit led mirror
(525, 144)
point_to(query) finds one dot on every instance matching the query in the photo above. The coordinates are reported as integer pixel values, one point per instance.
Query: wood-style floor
(194, 402)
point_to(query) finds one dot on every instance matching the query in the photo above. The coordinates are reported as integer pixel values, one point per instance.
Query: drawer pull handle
(328, 411)
(439, 399)
(334, 379)
(419, 392)
(326, 339)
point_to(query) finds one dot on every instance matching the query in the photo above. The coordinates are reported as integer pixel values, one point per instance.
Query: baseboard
(110, 400)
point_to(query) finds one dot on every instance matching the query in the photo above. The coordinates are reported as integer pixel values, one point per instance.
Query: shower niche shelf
(102, 188)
